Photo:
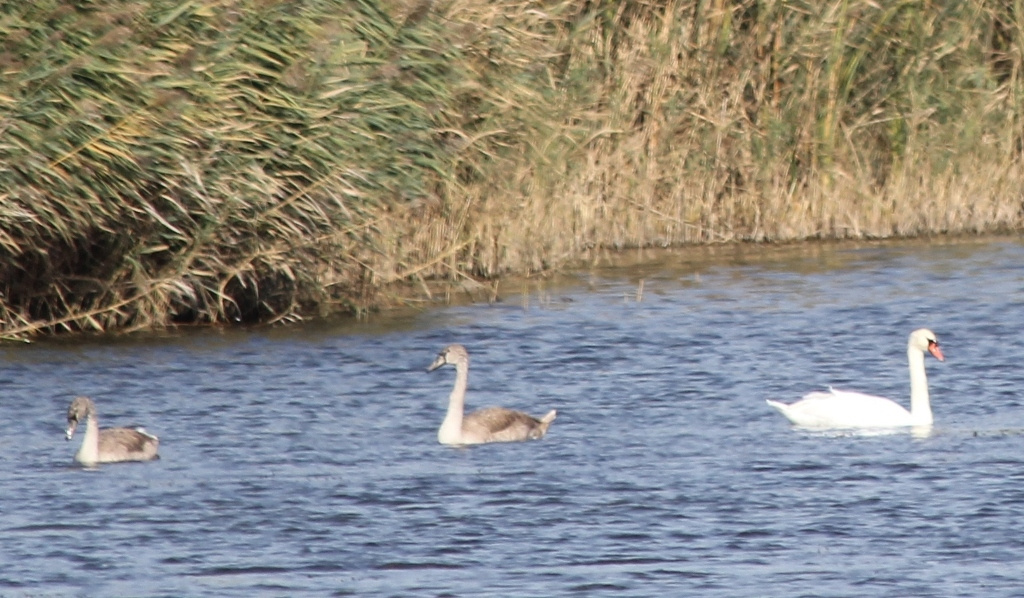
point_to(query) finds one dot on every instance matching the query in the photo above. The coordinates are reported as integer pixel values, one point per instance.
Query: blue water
(303, 461)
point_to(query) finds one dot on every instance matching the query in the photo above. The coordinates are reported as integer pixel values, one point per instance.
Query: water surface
(304, 462)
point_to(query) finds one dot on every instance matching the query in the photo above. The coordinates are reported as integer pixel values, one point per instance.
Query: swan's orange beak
(933, 348)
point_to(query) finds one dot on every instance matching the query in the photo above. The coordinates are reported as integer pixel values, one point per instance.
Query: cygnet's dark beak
(437, 363)
(72, 424)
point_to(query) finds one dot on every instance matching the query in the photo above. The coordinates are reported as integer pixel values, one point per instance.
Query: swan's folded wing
(840, 408)
(127, 444)
(498, 424)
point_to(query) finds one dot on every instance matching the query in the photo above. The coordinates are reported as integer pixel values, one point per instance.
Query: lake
(304, 461)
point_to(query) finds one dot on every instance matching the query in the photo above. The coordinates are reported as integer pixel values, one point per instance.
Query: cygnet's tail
(543, 423)
(780, 406)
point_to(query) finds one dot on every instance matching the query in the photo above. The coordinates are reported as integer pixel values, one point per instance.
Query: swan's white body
(490, 424)
(110, 445)
(845, 409)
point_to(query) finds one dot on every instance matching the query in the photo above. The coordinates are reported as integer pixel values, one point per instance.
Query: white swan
(843, 409)
(490, 424)
(110, 445)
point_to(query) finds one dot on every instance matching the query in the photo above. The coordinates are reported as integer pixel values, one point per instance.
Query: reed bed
(169, 162)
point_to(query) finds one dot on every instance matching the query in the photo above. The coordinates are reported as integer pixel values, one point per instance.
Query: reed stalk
(166, 163)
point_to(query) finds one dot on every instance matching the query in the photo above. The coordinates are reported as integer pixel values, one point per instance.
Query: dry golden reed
(214, 161)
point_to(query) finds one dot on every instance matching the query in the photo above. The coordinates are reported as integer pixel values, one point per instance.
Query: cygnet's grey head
(450, 355)
(80, 409)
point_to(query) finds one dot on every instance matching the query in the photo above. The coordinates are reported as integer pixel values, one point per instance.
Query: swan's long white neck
(90, 450)
(920, 406)
(451, 427)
